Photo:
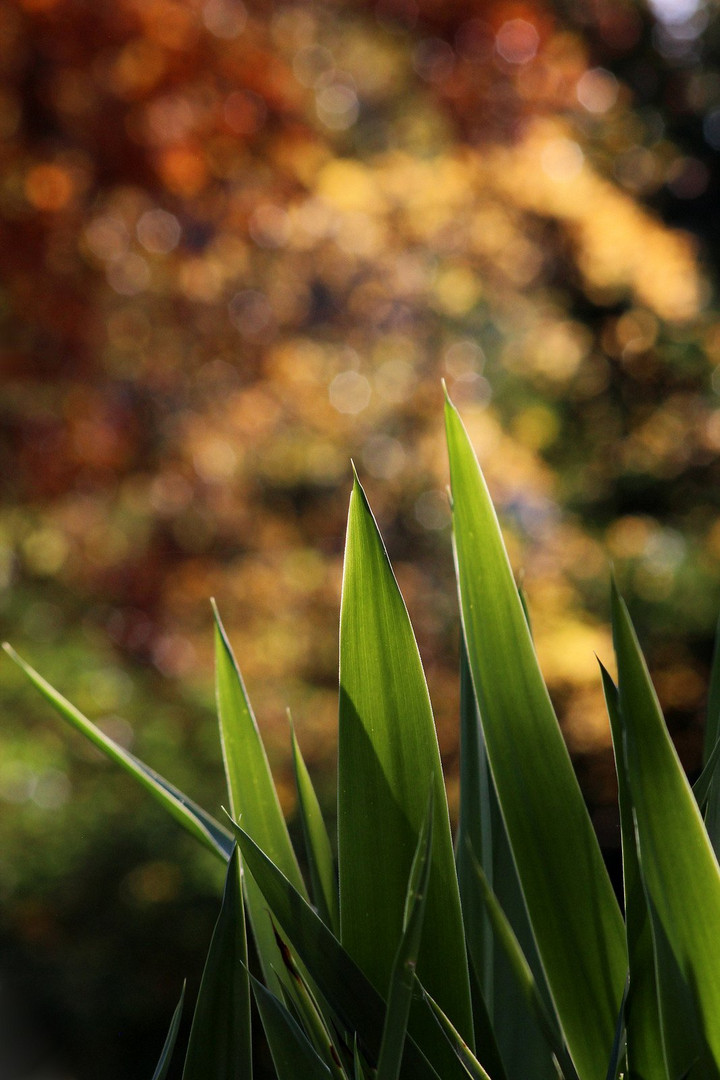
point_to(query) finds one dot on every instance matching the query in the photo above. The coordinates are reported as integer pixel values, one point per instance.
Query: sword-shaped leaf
(402, 978)
(317, 842)
(573, 911)
(388, 753)
(252, 793)
(163, 1064)
(482, 838)
(293, 1056)
(220, 1043)
(678, 867)
(641, 1013)
(192, 817)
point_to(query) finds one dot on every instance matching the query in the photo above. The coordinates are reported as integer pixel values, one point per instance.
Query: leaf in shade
(167, 1051)
(482, 837)
(710, 753)
(525, 989)
(641, 1013)
(402, 978)
(292, 1054)
(317, 842)
(465, 1056)
(387, 740)
(357, 1006)
(220, 1044)
(677, 865)
(581, 943)
(192, 817)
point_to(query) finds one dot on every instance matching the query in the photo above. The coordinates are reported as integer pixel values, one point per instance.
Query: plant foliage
(507, 957)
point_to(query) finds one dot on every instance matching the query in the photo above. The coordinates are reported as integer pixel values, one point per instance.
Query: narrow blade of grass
(642, 1016)
(192, 817)
(678, 867)
(581, 943)
(357, 1006)
(317, 842)
(388, 751)
(220, 1043)
(293, 1056)
(163, 1064)
(402, 978)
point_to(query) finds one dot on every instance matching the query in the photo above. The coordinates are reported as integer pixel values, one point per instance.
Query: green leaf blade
(388, 754)
(252, 793)
(220, 1042)
(642, 1016)
(402, 978)
(192, 817)
(677, 863)
(161, 1070)
(293, 1056)
(573, 911)
(317, 842)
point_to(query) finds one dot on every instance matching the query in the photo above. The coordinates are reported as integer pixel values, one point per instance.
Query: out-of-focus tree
(241, 243)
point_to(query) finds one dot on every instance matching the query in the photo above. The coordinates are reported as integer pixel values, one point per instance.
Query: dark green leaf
(220, 1037)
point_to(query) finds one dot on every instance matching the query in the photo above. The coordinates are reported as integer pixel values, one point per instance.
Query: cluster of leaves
(420, 961)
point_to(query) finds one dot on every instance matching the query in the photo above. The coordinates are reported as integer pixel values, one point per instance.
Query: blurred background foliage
(242, 243)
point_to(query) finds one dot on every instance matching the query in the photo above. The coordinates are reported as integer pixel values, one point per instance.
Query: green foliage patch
(504, 956)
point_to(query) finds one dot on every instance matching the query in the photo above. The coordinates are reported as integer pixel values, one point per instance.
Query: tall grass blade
(317, 842)
(220, 1037)
(357, 1006)
(641, 1009)
(581, 943)
(192, 817)
(679, 871)
(402, 978)
(293, 1056)
(163, 1064)
(388, 752)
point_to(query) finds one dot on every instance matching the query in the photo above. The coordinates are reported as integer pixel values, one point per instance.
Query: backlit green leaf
(388, 756)
(574, 914)
(191, 816)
